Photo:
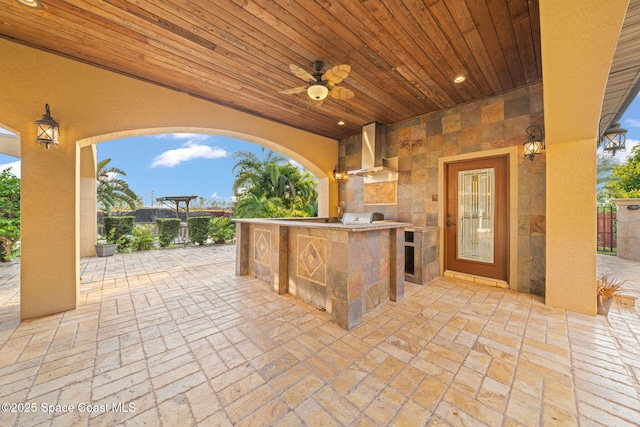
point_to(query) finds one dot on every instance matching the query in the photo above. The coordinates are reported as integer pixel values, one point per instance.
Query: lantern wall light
(534, 144)
(339, 174)
(47, 129)
(614, 137)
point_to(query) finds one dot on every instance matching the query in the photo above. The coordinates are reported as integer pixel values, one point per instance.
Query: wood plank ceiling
(404, 54)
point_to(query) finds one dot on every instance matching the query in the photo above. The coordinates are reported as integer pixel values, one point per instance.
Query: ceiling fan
(322, 84)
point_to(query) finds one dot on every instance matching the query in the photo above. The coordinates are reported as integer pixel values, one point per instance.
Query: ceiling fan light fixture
(34, 4)
(317, 92)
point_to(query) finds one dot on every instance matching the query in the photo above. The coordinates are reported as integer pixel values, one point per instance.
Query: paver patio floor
(175, 338)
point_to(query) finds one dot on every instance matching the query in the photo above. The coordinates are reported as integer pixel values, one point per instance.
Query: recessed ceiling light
(341, 123)
(459, 79)
(34, 4)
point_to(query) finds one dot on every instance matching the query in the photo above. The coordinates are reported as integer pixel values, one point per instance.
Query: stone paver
(175, 338)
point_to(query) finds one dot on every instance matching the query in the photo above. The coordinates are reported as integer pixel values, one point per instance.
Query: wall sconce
(47, 129)
(339, 174)
(613, 137)
(534, 144)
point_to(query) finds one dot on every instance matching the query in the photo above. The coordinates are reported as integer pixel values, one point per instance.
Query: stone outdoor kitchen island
(344, 269)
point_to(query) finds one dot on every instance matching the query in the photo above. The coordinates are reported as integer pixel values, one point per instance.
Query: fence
(607, 229)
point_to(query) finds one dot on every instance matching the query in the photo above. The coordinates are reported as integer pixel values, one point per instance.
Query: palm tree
(272, 187)
(111, 190)
(254, 204)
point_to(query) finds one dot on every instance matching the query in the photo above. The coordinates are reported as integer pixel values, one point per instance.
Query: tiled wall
(628, 228)
(496, 122)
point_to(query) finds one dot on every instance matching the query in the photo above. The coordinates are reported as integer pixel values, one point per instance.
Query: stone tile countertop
(326, 223)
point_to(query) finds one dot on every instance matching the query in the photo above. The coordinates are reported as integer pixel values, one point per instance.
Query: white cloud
(630, 143)
(14, 166)
(634, 123)
(190, 150)
(215, 196)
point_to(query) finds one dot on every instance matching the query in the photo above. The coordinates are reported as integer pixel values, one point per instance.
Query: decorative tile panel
(262, 246)
(311, 259)
(381, 193)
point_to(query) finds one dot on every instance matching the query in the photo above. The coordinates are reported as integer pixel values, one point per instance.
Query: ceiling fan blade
(340, 92)
(301, 73)
(293, 90)
(337, 74)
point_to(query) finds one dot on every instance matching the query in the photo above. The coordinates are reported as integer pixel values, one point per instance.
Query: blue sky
(177, 164)
(201, 165)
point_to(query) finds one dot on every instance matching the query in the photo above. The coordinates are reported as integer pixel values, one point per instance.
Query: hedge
(168, 230)
(121, 226)
(198, 228)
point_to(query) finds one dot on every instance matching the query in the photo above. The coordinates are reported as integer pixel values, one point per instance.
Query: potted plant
(610, 290)
(107, 246)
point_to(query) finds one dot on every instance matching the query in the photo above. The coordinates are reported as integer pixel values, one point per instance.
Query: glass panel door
(476, 192)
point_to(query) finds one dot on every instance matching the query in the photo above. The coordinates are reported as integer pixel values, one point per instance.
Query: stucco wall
(493, 123)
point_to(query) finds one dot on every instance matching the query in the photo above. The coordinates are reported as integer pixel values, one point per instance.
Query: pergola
(177, 200)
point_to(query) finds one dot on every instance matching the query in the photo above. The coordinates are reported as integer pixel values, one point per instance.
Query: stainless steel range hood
(374, 166)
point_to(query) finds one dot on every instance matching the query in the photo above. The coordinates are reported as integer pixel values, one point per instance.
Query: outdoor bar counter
(344, 269)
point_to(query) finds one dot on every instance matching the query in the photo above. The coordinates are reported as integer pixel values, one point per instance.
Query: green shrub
(118, 227)
(222, 229)
(168, 230)
(121, 225)
(141, 239)
(198, 228)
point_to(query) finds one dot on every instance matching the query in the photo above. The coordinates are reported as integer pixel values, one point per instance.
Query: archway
(89, 159)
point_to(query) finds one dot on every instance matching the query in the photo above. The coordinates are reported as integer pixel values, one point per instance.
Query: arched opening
(253, 136)
(241, 136)
(177, 147)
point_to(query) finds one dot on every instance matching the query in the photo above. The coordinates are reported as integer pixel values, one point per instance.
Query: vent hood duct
(374, 166)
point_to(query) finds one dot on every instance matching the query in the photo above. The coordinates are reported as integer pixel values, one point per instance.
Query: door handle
(449, 222)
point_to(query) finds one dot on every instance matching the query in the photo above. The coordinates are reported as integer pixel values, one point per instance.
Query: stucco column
(88, 200)
(571, 226)
(578, 40)
(10, 145)
(49, 263)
